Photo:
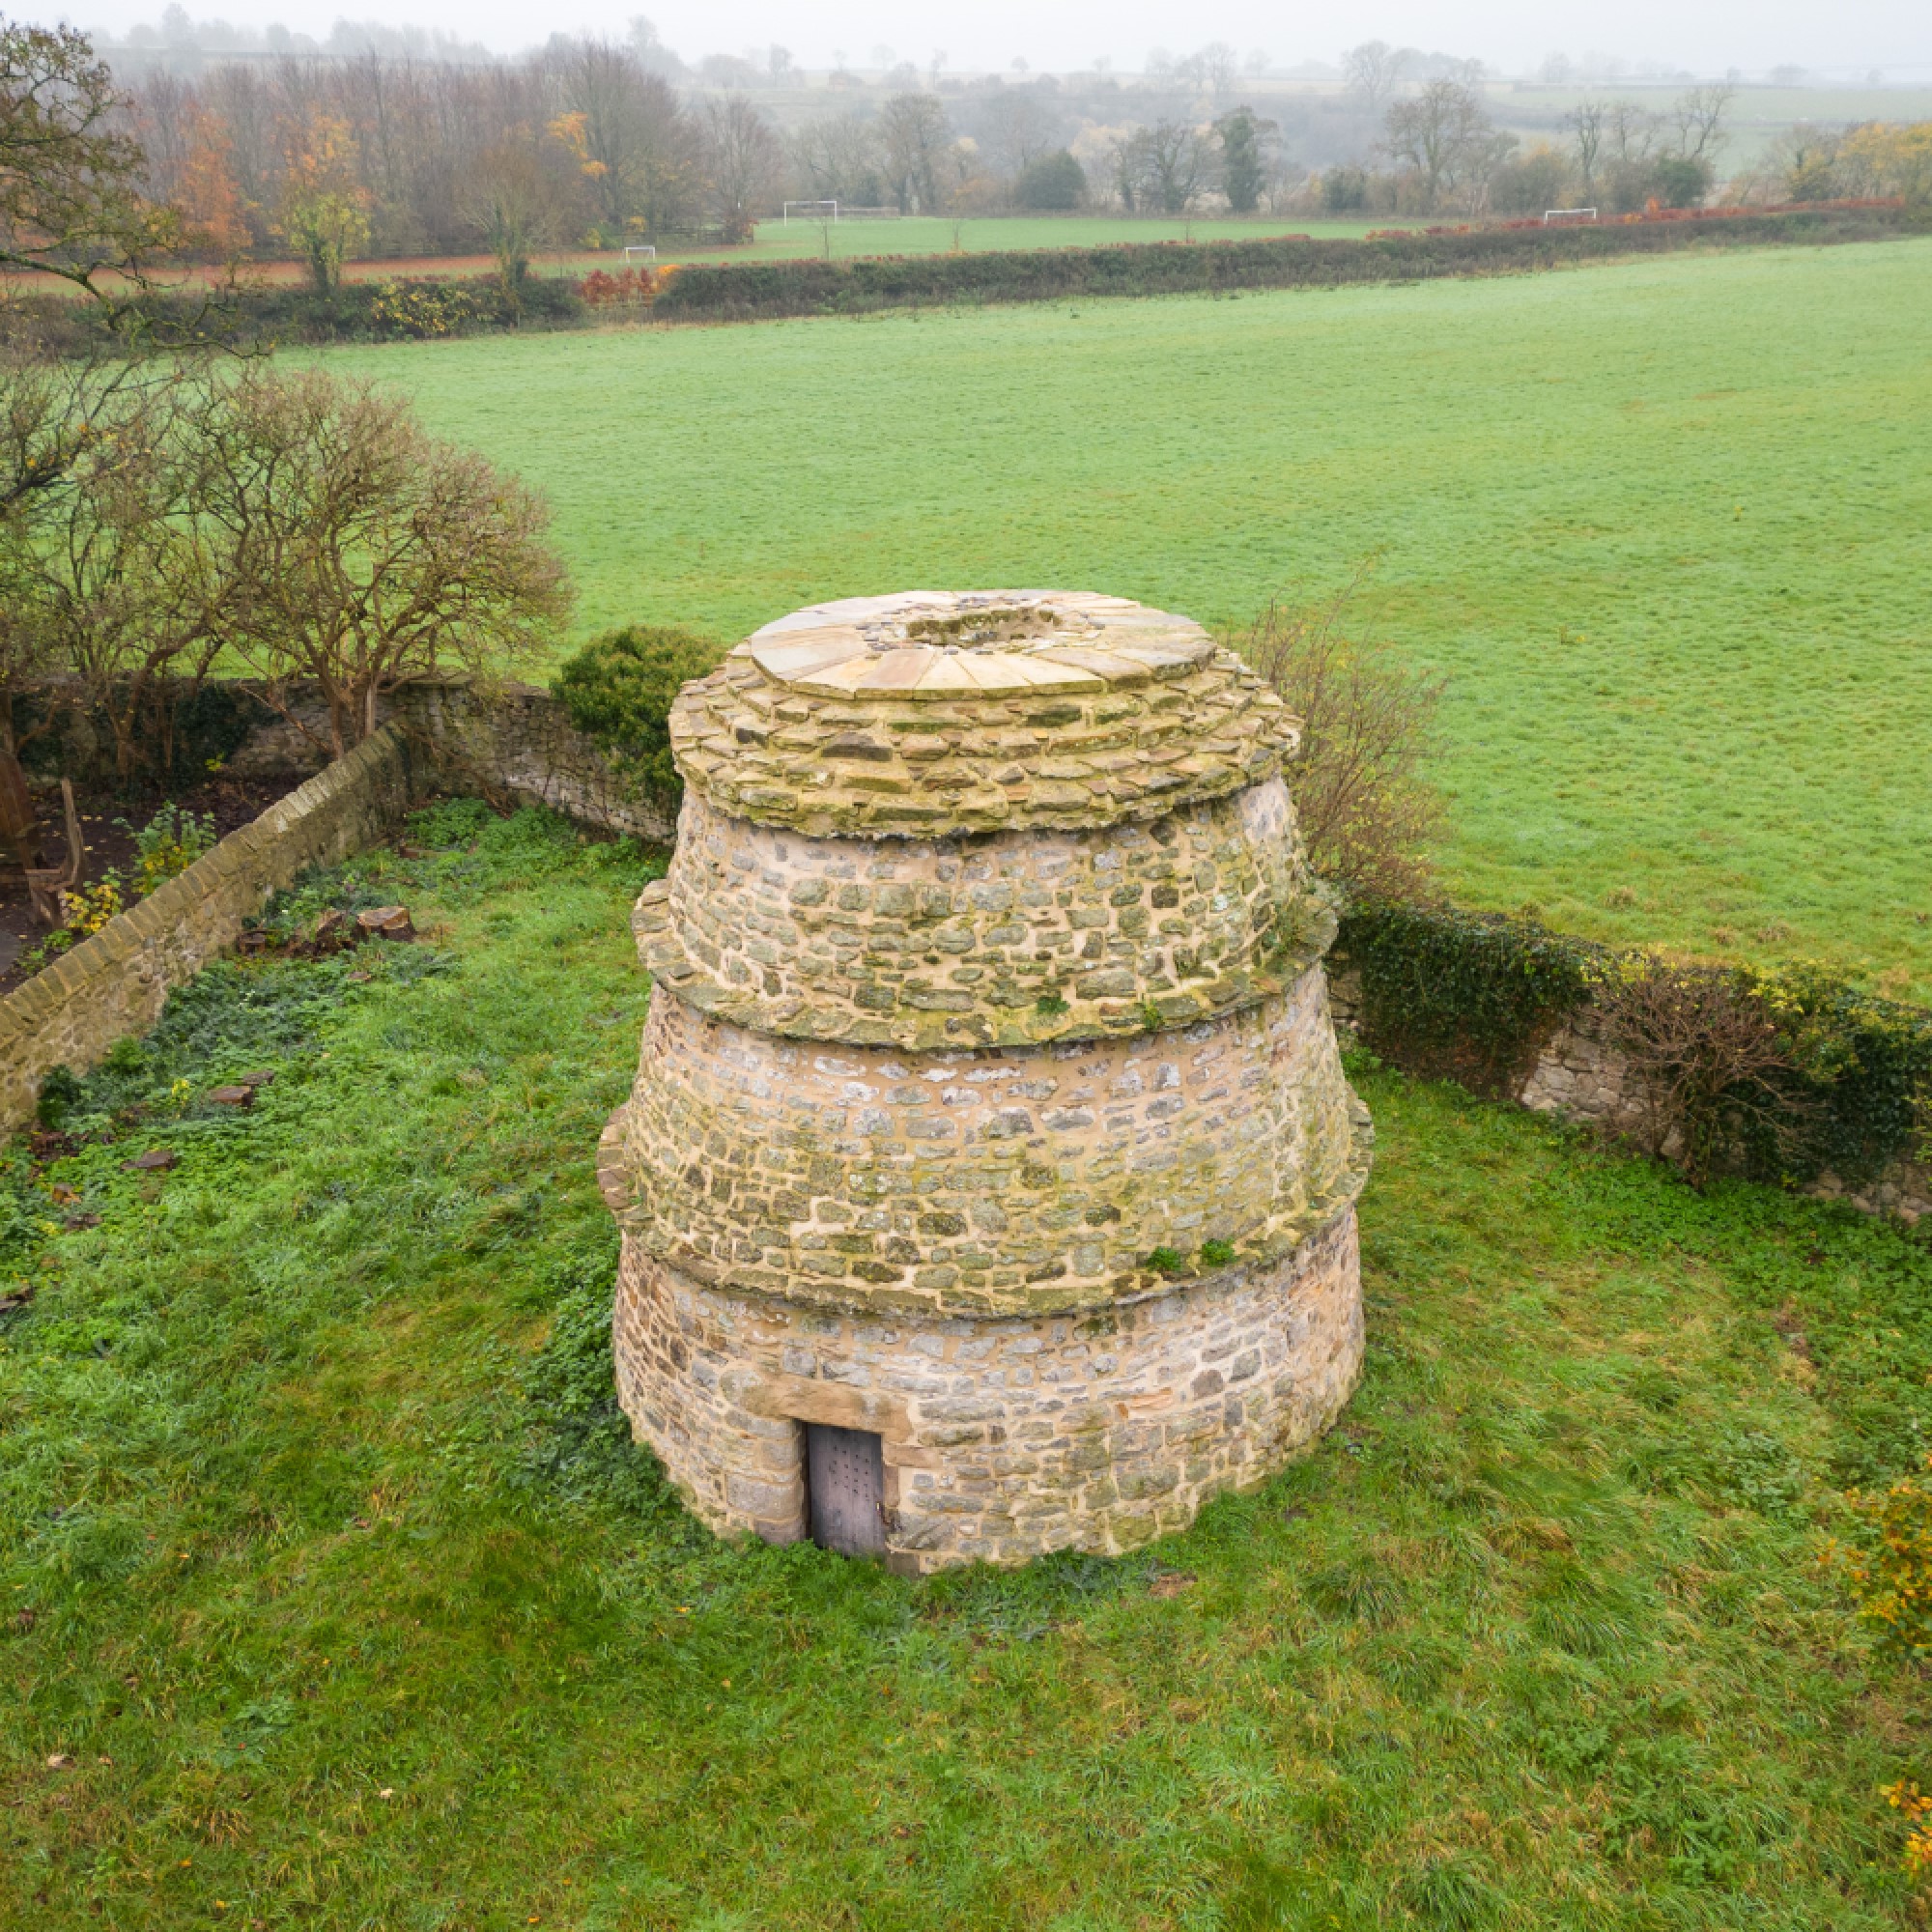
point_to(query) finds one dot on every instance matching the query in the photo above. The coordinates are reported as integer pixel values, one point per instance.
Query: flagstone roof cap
(931, 712)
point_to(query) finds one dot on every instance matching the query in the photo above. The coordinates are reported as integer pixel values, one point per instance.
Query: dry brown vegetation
(1365, 805)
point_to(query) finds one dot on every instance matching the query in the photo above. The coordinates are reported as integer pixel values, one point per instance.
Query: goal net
(810, 211)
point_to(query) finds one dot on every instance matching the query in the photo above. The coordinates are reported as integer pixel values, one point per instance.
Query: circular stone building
(989, 1186)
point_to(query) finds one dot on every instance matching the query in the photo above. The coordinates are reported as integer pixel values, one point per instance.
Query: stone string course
(1002, 1439)
(1009, 938)
(993, 1181)
(988, 1099)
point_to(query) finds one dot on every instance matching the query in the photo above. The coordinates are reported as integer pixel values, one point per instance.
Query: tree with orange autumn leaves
(323, 213)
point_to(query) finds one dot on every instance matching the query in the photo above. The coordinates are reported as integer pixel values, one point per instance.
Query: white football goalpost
(810, 211)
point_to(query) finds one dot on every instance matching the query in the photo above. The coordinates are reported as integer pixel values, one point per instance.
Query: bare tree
(839, 159)
(1375, 69)
(101, 575)
(1364, 807)
(1585, 122)
(355, 551)
(516, 202)
(1019, 130)
(913, 136)
(1217, 64)
(1710, 1064)
(69, 204)
(1443, 136)
(633, 143)
(1630, 130)
(1698, 118)
(744, 160)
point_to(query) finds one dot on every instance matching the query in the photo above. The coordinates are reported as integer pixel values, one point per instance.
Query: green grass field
(935, 234)
(1663, 523)
(328, 1574)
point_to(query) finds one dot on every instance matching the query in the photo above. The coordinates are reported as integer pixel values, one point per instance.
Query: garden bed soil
(233, 801)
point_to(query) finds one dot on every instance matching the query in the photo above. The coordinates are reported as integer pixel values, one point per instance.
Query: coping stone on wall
(115, 982)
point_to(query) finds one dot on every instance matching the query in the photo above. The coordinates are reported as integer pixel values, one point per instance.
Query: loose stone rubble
(989, 1100)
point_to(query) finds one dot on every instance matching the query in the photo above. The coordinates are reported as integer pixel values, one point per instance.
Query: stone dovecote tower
(989, 1185)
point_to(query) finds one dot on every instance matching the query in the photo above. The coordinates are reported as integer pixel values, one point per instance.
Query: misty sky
(1894, 35)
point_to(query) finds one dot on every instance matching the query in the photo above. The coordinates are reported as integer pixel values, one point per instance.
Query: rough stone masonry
(989, 1104)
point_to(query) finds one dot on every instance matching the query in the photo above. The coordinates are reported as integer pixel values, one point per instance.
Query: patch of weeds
(579, 1446)
(1451, 1893)
(1216, 1254)
(448, 823)
(1024, 1606)
(1364, 1591)
(1168, 1261)
(62, 1092)
(1759, 1471)
(1050, 1007)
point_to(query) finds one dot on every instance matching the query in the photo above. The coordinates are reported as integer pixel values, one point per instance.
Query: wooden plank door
(845, 1481)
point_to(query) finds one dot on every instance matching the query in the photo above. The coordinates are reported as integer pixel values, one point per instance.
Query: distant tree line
(328, 160)
(384, 143)
(1441, 151)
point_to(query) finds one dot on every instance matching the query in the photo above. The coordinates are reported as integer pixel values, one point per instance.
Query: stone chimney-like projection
(989, 1185)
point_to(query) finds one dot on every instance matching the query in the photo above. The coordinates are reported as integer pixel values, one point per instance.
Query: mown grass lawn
(325, 1561)
(1663, 523)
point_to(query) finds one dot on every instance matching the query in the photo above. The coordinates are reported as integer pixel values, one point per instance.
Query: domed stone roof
(928, 711)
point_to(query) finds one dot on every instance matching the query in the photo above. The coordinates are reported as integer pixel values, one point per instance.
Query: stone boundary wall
(518, 740)
(1580, 1075)
(513, 740)
(116, 983)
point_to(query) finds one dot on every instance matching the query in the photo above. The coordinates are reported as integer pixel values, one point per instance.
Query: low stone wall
(517, 740)
(116, 983)
(1098, 1430)
(512, 741)
(1581, 1075)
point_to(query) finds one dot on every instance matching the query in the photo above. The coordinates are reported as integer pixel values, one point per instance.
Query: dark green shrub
(60, 1092)
(1463, 995)
(1055, 183)
(1865, 1098)
(618, 690)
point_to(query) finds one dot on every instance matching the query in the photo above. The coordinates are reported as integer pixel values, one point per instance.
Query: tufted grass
(321, 1556)
(1662, 523)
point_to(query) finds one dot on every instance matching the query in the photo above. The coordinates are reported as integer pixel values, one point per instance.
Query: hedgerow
(1475, 997)
(736, 290)
(409, 308)
(1465, 996)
